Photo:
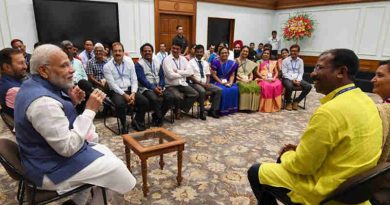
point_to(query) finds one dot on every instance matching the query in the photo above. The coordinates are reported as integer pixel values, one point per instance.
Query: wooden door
(167, 29)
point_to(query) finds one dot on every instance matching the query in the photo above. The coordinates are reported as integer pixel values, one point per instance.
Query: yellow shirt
(343, 138)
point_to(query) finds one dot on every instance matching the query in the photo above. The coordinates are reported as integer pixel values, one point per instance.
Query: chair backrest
(8, 120)
(9, 158)
(362, 187)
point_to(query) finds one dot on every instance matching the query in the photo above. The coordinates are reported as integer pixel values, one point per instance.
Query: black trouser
(274, 54)
(259, 190)
(141, 106)
(215, 98)
(160, 104)
(288, 85)
(185, 96)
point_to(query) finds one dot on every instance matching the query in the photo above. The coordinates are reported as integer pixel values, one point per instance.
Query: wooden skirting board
(365, 65)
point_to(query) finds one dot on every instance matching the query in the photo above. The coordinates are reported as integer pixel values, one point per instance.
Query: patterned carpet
(217, 155)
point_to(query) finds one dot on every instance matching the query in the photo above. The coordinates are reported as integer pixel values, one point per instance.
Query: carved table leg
(161, 156)
(179, 166)
(144, 169)
(128, 157)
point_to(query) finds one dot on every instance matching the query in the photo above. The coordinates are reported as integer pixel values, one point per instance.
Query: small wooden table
(167, 142)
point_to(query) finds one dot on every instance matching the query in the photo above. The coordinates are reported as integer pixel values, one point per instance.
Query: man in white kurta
(47, 116)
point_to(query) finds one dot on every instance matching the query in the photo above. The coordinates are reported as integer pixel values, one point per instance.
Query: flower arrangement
(298, 26)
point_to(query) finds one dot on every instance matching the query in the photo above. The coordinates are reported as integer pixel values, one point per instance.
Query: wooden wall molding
(285, 4)
(289, 4)
(262, 4)
(365, 64)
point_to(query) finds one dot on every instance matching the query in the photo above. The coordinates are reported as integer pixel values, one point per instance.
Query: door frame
(175, 10)
(232, 23)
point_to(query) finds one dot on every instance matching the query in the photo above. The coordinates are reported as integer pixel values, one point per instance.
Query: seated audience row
(178, 83)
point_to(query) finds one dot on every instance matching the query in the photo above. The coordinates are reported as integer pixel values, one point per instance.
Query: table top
(166, 139)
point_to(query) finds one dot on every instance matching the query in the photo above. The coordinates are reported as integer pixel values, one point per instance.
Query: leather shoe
(157, 122)
(213, 113)
(295, 106)
(137, 126)
(202, 117)
(289, 107)
(178, 115)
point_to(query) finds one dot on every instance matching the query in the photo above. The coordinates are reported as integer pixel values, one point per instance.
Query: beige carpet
(217, 155)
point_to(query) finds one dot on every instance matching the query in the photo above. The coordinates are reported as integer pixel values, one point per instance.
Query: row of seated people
(235, 85)
(180, 83)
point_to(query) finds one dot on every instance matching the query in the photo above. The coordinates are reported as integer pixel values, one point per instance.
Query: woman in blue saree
(223, 72)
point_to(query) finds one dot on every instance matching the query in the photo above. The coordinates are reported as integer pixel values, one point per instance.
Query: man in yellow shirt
(343, 138)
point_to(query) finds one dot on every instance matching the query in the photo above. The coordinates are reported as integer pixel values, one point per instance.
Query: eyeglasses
(320, 67)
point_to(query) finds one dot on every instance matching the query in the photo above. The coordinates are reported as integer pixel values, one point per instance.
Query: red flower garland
(297, 27)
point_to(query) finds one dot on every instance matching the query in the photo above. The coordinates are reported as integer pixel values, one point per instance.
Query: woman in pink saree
(271, 87)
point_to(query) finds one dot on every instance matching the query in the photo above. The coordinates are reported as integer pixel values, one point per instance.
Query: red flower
(298, 26)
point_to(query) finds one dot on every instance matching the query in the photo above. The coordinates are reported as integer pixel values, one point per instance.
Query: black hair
(6, 55)
(385, 63)
(88, 39)
(284, 49)
(219, 51)
(199, 46)
(245, 46)
(295, 46)
(146, 44)
(118, 44)
(344, 57)
(268, 45)
(176, 42)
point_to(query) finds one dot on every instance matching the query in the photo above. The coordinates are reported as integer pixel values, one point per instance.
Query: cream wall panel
(371, 32)
(361, 27)
(386, 43)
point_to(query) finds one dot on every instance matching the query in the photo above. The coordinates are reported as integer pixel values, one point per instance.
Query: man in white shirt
(87, 53)
(292, 70)
(162, 53)
(61, 155)
(275, 43)
(122, 81)
(200, 81)
(176, 71)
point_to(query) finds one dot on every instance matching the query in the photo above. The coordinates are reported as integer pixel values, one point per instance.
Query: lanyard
(243, 65)
(344, 90)
(177, 66)
(152, 67)
(123, 70)
(294, 66)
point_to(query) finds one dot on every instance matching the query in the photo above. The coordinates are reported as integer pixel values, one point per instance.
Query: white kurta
(48, 118)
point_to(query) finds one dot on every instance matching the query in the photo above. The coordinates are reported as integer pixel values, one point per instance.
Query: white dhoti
(107, 171)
